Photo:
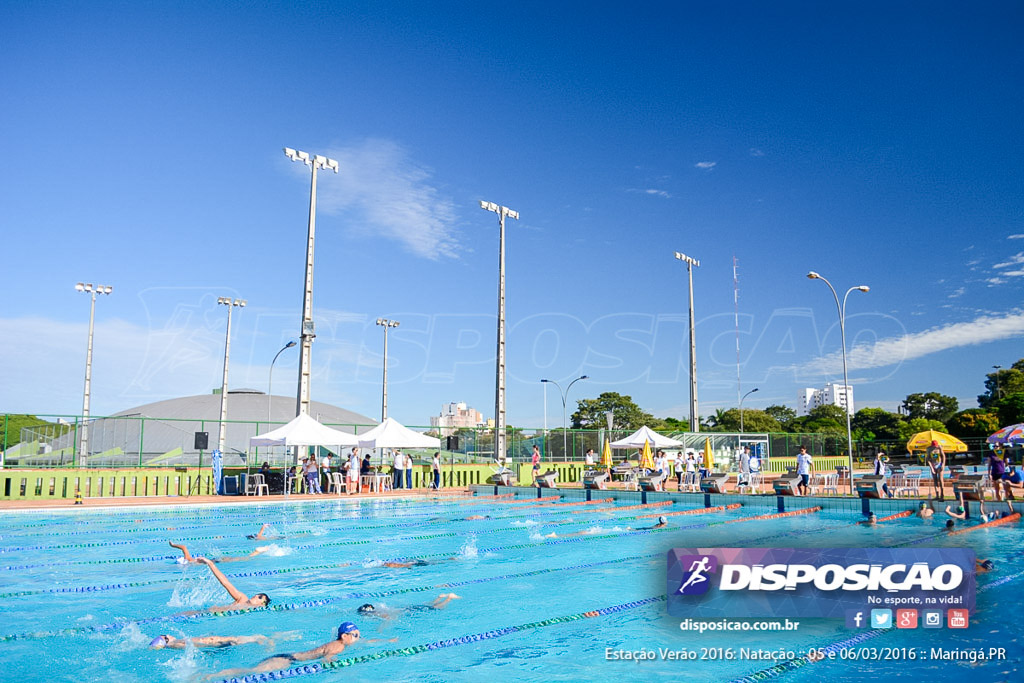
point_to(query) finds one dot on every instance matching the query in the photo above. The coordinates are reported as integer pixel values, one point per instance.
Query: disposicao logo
(818, 582)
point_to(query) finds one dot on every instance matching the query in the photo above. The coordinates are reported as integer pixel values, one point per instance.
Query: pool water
(82, 592)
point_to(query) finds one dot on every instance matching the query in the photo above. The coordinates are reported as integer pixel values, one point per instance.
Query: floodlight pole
(222, 432)
(308, 330)
(88, 288)
(499, 380)
(694, 414)
(846, 380)
(385, 323)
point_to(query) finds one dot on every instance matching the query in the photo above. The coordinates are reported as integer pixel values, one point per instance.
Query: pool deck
(153, 501)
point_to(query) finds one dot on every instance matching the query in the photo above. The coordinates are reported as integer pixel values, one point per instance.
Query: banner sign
(816, 582)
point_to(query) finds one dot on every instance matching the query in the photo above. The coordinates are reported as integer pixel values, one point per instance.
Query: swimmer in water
(160, 642)
(983, 566)
(924, 511)
(662, 523)
(872, 520)
(348, 633)
(474, 517)
(440, 602)
(414, 563)
(187, 556)
(241, 600)
(261, 534)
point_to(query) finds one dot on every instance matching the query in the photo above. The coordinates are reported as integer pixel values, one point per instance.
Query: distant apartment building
(830, 395)
(456, 416)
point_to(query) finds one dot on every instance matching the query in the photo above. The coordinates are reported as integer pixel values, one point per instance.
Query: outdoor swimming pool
(84, 591)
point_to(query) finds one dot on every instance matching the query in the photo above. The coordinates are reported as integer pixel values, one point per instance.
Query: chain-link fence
(142, 441)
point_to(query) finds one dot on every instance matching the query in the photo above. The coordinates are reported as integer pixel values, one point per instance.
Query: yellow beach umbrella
(709, 458)
(646, 461)
(922, 440)
(606, 454)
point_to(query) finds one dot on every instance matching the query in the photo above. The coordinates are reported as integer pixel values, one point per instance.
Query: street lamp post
(564, 395)
(499, 380)
(385, 323)
(694, 415)
(741, 408)
(230, 303)
(88, 288)
(846, 378)
(999, 392)
(308, 331)
(545, 449)
(270, 381)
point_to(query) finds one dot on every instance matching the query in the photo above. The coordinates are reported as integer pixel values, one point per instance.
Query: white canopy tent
(392, 434)
(304, 431)
(646, 434)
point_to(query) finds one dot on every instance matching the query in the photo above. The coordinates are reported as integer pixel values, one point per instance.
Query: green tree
(827, 419)
(1002, 383)
(784, 415)
(919, 424)
(973, 422)
(715, 421)
(671, 424)
(753, 421)
(930, 406)
(590, 413)
(876, 424)
(1010, 409)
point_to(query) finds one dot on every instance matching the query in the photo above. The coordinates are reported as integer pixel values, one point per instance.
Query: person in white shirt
(691, 469)
(408, 471)
(804, 467)
(399, 466)
(588, 459)
(325, 469)
(435, 466)
(353, 472)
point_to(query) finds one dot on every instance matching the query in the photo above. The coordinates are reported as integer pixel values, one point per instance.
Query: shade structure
(1008, 436)
(646, 435)
(392, 434)
(709, 458)
(646, 461)
(922, 440)
(606, 454)
(304, 431)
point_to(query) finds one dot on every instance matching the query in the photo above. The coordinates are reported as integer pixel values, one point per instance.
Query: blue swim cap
(346, 627)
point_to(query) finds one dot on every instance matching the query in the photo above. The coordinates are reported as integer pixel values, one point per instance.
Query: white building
(456, 416)
(830, 395)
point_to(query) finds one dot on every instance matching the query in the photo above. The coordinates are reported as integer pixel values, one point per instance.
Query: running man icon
(697, 571)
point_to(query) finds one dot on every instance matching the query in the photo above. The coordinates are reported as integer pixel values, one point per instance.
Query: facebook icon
(855, 618)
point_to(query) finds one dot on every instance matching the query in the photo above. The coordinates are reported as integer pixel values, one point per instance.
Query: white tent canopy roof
(645, 433)
(392, 434)
(304, 431)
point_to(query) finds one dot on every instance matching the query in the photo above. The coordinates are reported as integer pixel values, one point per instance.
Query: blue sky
(871, 142)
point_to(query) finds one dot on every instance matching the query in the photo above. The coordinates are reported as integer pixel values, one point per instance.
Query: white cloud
(1015, 260)
(958, 292)
(387, 193)
(658, 193)
(755, 152)
(1015, 237)
(706, 165)
(919, 344)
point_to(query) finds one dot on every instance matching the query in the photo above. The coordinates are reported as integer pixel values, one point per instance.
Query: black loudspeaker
(453, 443)
(202, 441)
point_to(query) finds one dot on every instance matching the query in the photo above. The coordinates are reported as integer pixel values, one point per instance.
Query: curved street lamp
(741, 408)
(564, 395)
(270, 380)
(846, 381)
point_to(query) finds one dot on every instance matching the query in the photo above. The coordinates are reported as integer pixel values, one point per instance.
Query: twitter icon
(881, 618)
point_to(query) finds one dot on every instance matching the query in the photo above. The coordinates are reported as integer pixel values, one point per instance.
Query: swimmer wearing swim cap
(160, 642)
(348, 633)
(925, 511)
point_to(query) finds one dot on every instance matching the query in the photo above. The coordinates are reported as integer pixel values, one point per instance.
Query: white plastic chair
(910, 484)
(830, 483)
(817, 482)
(255, 484)
(337, 484)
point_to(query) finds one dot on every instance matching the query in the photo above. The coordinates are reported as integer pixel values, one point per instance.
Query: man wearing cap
(348, 633)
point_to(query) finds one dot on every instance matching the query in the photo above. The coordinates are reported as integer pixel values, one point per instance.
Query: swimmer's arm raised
(228, 586)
